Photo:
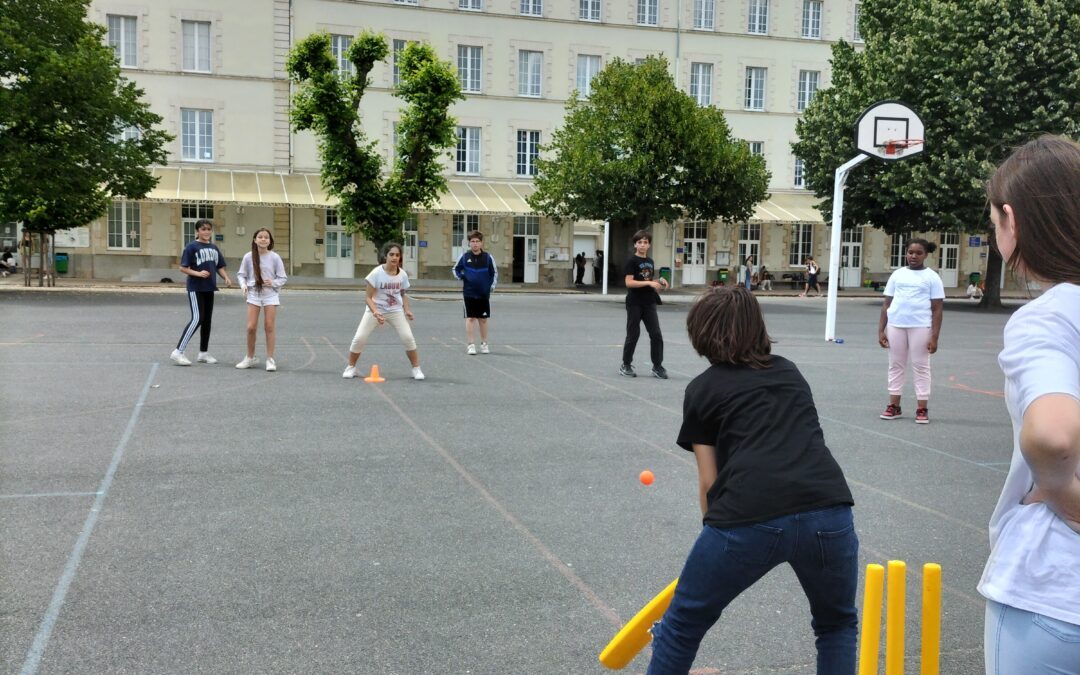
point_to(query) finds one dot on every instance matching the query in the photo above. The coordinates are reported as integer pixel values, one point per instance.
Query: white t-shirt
(388, 289)
(1034, 560)
(911, 292)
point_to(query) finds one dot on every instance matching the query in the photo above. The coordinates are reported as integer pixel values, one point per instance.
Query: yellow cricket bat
(635, 634)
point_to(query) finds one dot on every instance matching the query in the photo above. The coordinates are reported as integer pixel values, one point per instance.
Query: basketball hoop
(897, 147)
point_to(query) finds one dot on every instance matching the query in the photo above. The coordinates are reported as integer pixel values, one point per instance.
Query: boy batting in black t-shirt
(642, 285)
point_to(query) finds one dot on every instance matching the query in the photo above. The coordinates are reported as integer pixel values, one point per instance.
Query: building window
(857, 33)
(898, 254)
(338, 45)
(468, 66)
(532, 7)
(124, 220)
(398, 46)
(122, 39)
(754, 98)
(528, 149)
(191, 214)
(530, 71)
(802, 244)
(808, 85)
(701, 75)
(196, 35)
(749, 242)
(757, 148)
(704, 13)
(647, 11)
(468, 150)
(800, 173)
(758, 19)
(131, 133)
(197, 135)
(811, 19)
(405, 2)
(589, 10)
(525, 226)
(475, 5)
(588, 65)
(463, 224)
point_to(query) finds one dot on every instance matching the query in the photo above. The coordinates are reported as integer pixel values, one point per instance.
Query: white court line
(49, 494)
(41, 640)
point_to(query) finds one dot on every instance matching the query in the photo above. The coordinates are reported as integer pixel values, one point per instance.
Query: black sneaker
(627, 370)
(658, 371)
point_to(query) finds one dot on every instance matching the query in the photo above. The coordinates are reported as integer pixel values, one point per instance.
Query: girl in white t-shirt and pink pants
(387, 302)
(909, 327)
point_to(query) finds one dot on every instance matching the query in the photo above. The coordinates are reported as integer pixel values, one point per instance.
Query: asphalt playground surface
(158, 519)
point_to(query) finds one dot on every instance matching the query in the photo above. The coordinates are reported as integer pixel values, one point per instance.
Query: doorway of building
(851, 258)
(526, 267)
(695, 238)
(339, 249)
(409, 255)
(949, 259)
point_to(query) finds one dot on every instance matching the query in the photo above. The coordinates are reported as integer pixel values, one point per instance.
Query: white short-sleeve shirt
(911, 292)
(1034, 560)
(388, 288)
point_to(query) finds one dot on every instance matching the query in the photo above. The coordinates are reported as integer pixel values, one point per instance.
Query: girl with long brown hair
(261, 276)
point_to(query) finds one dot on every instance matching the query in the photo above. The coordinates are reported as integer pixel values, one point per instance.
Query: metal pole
(834, 246)
(607, 255)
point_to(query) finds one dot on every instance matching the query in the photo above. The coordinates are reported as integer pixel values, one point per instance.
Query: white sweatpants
(368, 324)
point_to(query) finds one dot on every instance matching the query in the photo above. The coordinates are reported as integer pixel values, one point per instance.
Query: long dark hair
(255, 255)
(726, 326)
(1041, 182)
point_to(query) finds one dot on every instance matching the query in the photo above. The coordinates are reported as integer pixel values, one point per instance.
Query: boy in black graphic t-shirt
(202, 262)
(641, 298)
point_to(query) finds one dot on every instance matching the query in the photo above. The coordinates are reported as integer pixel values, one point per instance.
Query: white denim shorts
(267, 297)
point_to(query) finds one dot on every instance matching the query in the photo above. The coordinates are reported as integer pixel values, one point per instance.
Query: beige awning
(787, 208)
(266, 188)
(588, 228)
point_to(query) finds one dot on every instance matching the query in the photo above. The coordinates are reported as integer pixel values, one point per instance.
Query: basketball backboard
(889, 130)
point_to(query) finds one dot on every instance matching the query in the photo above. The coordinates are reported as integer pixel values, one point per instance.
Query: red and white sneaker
(922, 416)
(892, 412)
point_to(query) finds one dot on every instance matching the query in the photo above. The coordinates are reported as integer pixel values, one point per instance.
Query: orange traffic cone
(374, 376)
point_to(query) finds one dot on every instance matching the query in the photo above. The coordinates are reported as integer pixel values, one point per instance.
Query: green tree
(638, 151)
(63, 109)
(373, 203)
(984, 76)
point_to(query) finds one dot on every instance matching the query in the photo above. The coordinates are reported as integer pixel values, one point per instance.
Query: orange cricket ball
(646, 477)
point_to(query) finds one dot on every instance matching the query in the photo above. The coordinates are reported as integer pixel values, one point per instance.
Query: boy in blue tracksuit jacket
(477, 269)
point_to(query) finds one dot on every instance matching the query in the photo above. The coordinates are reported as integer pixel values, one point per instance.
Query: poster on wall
(76, 237)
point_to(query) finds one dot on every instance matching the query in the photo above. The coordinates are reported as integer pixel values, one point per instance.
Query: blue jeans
(1018, 642)
(822, 549)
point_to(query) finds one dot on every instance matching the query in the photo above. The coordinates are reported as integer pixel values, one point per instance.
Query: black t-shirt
(771, 456)
(642, 269)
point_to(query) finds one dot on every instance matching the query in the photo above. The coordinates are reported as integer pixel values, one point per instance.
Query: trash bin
(974, 278)
(722, 275)
(61, 263)
(665, 273)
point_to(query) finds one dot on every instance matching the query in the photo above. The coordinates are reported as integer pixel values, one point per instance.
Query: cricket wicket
(870, 639)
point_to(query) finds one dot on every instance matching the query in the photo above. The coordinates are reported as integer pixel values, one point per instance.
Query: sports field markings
(33, 495)
(41, 639)
(21, 341)
(553, 560)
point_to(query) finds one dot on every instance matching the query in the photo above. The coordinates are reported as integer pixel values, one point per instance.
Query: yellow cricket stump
(870, 642)
(931, 619)
(870, 638)
(894, 618)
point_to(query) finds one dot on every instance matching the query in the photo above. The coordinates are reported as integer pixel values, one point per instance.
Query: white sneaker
(471, 350)
(350, 372)
(270, 365)
(248, 362)
(418, 374)
(179, 359)
(204, 357)
(484, 348)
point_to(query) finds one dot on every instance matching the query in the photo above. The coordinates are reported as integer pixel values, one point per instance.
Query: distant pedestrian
(642, 289)
(812, 271)
(748, 272)
(261, 276)
(26, 250)
(579, 264)
(202, 262)
(387, 302)
(765, 278)
(1032, 578)
(598, 268)
(909, 326)
(770, 491)
(477, 269)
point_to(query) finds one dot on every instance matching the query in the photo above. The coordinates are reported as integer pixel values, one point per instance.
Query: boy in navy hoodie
(477, 269)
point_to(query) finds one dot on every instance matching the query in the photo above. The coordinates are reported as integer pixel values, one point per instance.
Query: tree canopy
(64, 108)
(639, 151)
(984, 76)
(375, 202)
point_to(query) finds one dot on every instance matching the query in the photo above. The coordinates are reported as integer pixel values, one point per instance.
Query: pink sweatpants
(905, 342)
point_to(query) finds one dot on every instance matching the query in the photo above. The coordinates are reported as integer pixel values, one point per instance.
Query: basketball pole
(834, 245)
